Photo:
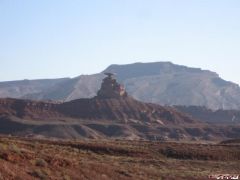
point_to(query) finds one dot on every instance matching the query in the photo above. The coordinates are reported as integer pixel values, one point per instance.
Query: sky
(67, 38)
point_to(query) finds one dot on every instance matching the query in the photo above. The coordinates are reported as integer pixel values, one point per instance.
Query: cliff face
(26, 109)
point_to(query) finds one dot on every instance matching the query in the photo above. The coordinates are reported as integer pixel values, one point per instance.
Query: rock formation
(111, 114)
(110, 88)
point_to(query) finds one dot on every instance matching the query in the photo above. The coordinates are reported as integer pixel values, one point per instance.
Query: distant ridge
(159, 82)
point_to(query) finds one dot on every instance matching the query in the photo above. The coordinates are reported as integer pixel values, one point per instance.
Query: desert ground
(25, 158)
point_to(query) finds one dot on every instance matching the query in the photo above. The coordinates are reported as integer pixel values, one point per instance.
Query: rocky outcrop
(110, 88)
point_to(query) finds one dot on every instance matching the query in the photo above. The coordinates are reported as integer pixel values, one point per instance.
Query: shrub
(39, 174)
(66, 177)
(3, 147)
(41, 163)
(14, 148)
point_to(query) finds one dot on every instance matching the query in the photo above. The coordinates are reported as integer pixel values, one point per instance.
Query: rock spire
(110, 88)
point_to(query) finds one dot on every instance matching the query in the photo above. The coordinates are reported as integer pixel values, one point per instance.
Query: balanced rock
(110, 88)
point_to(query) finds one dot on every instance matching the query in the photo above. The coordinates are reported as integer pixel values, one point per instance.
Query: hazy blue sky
(60, 38)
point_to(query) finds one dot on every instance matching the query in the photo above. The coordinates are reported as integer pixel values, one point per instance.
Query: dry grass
(42, 159)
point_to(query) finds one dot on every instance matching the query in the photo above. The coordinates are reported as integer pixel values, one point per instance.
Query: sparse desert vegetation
(22, 158)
